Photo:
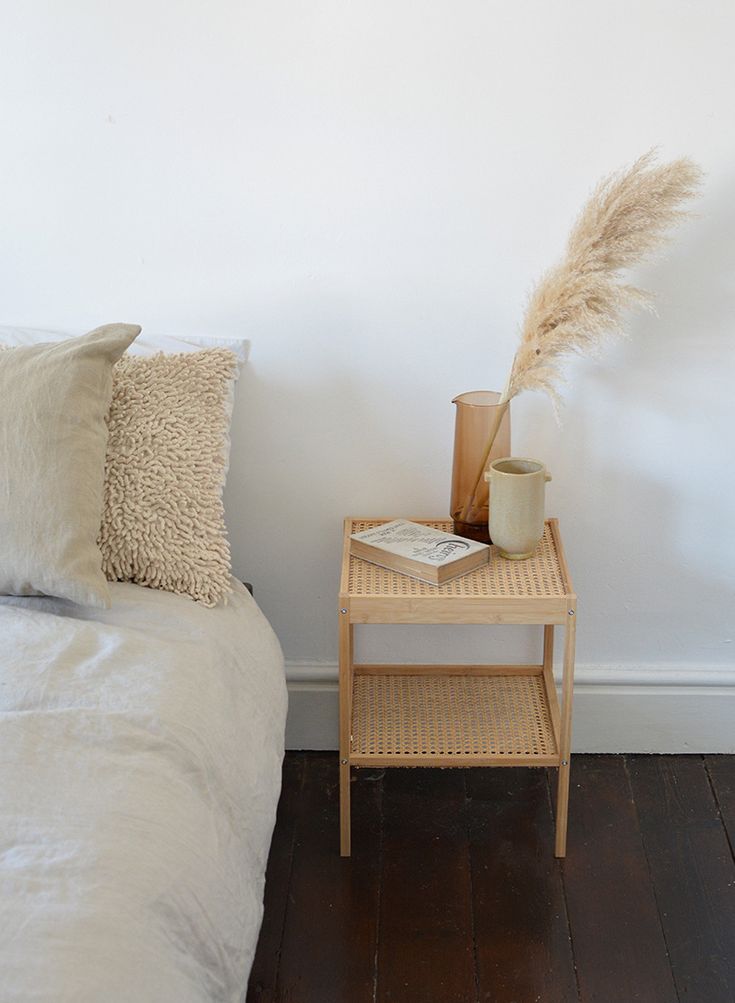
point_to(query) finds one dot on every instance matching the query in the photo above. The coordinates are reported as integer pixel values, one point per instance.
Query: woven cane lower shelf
(462, 720)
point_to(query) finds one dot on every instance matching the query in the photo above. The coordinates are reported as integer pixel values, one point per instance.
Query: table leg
(562, 797)
(346, 663)
(549, 646)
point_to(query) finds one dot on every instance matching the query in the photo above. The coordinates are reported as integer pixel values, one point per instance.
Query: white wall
(367, 191)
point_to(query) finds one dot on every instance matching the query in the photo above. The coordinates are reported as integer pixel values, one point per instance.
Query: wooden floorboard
(330, 934)
(453, 895)
(692, 870)
(721, 771)
(523, 946)
(264, 973)
(425, 953)
(618, 941)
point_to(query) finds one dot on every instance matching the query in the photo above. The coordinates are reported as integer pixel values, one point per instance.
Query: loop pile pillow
(163, 517)
(54, 399)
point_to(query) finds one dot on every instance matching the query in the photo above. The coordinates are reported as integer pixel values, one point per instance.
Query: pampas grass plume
(582, 299)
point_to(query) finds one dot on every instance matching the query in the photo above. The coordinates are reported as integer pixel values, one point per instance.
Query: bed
(140, 757)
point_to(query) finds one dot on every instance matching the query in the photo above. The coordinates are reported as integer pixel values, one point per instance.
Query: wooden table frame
(480, 601)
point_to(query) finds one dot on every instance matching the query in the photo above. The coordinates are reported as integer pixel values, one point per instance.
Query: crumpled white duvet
(140, 758)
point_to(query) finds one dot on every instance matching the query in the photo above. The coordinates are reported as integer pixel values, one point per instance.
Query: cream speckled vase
(516, 519)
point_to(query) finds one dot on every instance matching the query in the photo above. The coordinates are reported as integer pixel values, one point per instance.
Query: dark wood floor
(453, 895)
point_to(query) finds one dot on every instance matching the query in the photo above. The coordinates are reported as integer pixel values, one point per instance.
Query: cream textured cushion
(53, 402)
(163, 523)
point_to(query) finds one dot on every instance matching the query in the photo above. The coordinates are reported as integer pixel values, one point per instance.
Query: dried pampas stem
(582, 298)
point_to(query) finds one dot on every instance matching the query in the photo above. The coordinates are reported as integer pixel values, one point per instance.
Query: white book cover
(419, 543)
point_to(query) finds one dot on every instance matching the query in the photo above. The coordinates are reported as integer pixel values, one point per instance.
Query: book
(419, 551)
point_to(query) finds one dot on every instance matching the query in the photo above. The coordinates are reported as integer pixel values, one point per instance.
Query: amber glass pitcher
(475, 419)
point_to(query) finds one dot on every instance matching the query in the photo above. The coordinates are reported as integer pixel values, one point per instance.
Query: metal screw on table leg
(344, 762)
(343, 611)
(571, 612)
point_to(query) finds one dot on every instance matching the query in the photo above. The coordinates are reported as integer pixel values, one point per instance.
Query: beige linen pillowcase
(163, 520)
(54, 400)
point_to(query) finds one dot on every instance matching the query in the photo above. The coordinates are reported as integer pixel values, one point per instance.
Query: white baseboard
(617, 708)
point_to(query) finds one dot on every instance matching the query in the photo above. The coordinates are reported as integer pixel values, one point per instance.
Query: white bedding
(140, 757)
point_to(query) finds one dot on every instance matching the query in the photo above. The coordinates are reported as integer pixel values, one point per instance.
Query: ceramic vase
(517, 504)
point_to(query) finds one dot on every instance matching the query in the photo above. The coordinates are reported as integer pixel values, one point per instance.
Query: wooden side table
(457, 715)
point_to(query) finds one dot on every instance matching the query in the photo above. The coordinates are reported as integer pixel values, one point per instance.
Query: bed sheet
(140, 759)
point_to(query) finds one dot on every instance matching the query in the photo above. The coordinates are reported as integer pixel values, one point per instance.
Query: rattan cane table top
(543, 576)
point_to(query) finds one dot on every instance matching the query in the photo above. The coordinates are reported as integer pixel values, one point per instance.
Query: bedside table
(457, 715)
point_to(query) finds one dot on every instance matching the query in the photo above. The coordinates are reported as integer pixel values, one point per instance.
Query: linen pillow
(54, 399)
(163, 518)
